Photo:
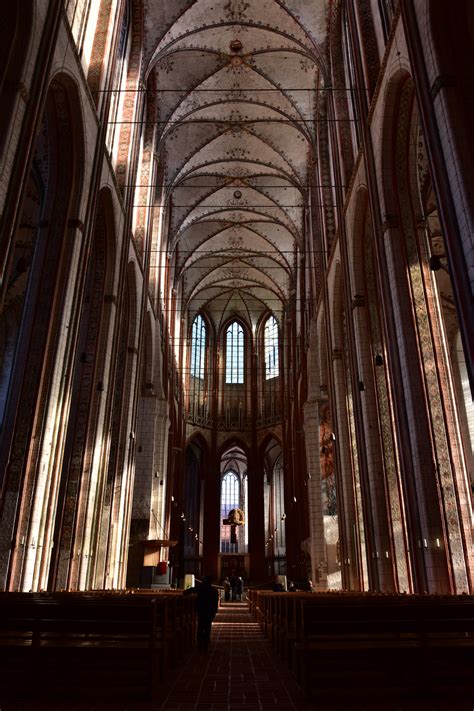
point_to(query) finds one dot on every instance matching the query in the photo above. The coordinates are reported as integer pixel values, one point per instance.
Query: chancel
(236, 323)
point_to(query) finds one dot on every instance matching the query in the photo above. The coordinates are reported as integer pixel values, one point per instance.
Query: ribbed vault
(236, 86)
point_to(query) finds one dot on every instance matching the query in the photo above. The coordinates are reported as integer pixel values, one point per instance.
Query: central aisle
(239, 672)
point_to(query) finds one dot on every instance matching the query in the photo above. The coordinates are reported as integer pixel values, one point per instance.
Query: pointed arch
(199, 341)
(40, 265)
(234, 353)
(17, 29)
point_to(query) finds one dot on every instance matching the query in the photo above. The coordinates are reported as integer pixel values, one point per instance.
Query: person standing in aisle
(207, 602)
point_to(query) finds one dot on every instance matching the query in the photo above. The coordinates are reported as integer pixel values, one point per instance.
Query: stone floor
(239, 672)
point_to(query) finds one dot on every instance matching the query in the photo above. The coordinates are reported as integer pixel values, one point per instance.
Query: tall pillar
(317, 538)
(351, 522)
(256, 522)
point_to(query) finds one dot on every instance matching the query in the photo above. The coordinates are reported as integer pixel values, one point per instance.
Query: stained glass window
(230, 499)
(234, 363)
(272, 364)
(198, 348)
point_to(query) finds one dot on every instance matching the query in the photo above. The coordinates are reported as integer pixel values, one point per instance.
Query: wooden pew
(397, 645)
(90, 643)
(348, 643)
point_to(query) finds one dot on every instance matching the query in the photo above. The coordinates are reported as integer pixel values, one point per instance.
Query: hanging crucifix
(235, 518)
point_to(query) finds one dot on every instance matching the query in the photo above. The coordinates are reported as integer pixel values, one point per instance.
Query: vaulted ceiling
(236, 83)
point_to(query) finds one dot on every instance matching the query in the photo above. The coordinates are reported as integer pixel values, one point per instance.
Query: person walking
(207, 602)
(233, 585)
(226, 585)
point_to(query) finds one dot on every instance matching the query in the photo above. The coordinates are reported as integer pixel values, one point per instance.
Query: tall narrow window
(234, 363)
(230, 499)
(387, 9)
(351, 83)
(119, 84)
(198, 348)
(272, 364)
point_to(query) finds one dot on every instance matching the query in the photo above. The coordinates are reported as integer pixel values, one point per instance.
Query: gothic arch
(100, 60)
(346, 459)
(17, 30)
(233, 442)
(420, 402)
(234, 463)
(40, 265)
(192, 516)
(83, 471)
(132, 109)
(340, 85)
(200, 384)
(376, 417)
(116, 510)
(275, 504)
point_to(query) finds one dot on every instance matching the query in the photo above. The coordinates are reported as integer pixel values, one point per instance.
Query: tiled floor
(239, 672)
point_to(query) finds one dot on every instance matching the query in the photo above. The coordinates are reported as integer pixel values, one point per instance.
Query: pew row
(347, 644)
(101, 644)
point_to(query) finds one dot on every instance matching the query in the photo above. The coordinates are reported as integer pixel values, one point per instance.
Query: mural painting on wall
(329, 570)
(328, 479)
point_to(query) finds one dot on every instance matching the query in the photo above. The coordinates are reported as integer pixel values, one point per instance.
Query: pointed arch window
(119, 83)
(198, 348)
(270, 337)
(351, 81)
(230, 499)
(234, 362)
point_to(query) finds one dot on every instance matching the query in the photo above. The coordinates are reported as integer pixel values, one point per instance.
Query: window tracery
(272, 363)
(198, 348)
(234, 363)
(230, 499)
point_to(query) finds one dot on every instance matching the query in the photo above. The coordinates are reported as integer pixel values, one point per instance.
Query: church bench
(391, 644)
(264, 610)
(288, 623)
(276, 614)
(112, 643)
(252, 600)
(372, 639)
(181, 619)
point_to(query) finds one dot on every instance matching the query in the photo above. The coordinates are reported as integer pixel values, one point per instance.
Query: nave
(236, 323)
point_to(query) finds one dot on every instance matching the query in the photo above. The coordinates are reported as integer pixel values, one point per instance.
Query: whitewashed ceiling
(236, 85)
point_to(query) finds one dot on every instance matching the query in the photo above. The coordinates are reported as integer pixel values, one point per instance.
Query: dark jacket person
(207, 602)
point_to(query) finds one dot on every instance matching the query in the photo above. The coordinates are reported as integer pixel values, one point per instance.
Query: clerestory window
(270, 338)
(119, 84)
(234, 363)
(198, 348)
